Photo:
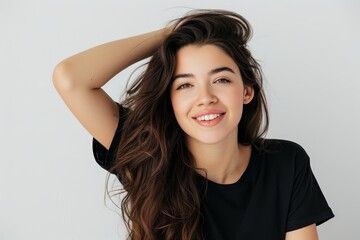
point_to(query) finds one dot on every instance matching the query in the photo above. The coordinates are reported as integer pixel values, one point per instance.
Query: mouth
(209, 120)
(209, 117)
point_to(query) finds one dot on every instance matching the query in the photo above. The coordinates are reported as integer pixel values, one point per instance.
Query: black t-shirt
(277, 193)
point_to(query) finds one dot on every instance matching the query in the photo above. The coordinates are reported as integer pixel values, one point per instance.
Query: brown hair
(156, 169)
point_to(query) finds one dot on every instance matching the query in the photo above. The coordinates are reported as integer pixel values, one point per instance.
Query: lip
(208, 112)
(209, 123)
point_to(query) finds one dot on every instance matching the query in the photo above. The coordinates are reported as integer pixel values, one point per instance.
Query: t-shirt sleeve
(308, 204)
(104, 157)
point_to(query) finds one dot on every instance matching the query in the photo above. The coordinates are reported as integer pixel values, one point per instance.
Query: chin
(207, 140)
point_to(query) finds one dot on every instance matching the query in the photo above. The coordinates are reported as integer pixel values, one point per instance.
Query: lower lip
(210, 123)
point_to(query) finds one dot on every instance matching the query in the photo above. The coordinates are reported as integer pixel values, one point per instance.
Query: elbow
(62, 77)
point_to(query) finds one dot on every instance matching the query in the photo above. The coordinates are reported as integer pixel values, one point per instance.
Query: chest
(255, 208)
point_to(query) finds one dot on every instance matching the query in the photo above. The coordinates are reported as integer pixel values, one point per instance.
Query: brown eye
(222, 80)
(183, 86)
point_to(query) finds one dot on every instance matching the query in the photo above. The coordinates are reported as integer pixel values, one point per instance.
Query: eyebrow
(213, 71)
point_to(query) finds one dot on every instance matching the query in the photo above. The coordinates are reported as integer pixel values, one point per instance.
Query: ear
(248, 94)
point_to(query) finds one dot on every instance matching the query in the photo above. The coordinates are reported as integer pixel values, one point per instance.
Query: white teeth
(208, 117)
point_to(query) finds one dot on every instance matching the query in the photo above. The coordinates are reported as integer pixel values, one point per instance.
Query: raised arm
(78, 80)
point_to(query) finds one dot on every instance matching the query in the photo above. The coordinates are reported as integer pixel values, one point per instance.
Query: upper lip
(208, 112)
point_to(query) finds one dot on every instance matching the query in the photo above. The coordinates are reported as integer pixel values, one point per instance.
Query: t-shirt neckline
(242, 177)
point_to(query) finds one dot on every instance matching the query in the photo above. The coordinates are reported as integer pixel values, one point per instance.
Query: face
(208, 94)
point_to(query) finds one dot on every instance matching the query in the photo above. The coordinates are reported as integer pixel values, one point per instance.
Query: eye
(222, 80)
(183, 86)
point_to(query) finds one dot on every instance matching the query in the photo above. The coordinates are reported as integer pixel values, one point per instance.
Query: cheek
(181, 106)
(234, 101)
(176, 105)
(233, 97)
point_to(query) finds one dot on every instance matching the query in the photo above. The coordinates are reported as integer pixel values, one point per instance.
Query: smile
(209, 120)
(209, 117)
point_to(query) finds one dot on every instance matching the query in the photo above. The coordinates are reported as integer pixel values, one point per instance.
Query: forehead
(202, 58)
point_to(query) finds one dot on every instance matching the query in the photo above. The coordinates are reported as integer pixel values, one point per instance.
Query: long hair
(152, 162)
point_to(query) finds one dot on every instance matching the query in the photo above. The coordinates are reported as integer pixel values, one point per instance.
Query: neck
(224, 162)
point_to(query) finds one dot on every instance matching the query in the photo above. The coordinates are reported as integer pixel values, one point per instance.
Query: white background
(50, 184)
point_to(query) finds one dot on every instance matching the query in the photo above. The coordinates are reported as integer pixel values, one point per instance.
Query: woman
(187, 143)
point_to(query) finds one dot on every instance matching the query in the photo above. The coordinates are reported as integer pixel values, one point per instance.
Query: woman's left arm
(305, 233)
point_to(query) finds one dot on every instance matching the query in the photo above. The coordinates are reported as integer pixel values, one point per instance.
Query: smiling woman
(188, 142)
(211, 86)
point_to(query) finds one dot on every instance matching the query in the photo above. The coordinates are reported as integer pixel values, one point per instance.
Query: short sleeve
(308, 204)
(104, 157)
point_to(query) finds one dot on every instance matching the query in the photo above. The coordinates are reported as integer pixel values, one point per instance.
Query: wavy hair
(153, 164)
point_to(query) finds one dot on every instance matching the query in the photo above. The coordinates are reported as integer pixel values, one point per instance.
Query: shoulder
(286, 153)
(281, 147)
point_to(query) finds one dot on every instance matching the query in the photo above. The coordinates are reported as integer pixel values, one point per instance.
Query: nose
(206, 96)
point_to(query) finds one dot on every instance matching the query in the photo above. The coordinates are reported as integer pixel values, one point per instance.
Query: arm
(78, 80)
(305, 233)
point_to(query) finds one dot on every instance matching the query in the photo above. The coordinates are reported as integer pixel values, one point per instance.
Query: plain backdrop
(50, 184)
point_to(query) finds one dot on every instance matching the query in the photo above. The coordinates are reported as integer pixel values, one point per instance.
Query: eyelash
(222, 80)
(187, 85)
(182, 86)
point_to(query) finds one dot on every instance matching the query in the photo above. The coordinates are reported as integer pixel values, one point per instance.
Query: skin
(207, 80)
(196, 90)
(79, 80)
(305, 233)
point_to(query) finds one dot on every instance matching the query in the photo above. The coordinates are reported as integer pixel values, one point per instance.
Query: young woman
(188, 142)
